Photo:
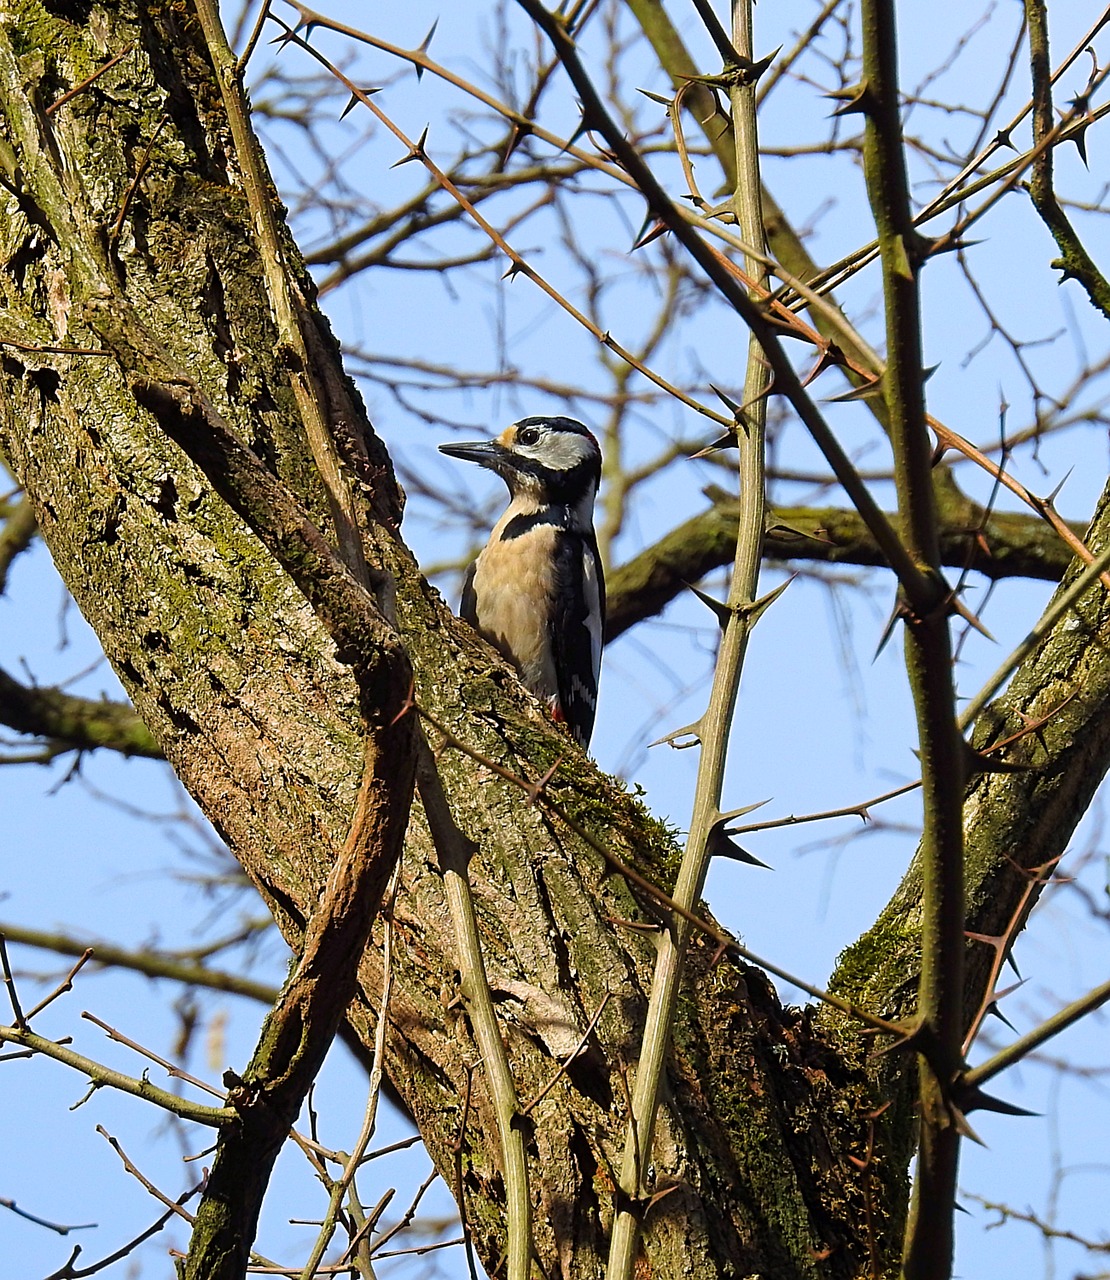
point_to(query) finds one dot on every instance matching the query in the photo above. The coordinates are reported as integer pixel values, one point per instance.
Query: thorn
(1009, 991)
(730, 404)
(975, 1099)
(582, 128)
(292, 33)
(1002, 139)
(831, 355)
(356, 98)
(657, 97)
(1081, 106)
(721, 846)
(422, 47)
(956, 605)
(408, 705)
(786, 324)
(535, 789)
(857, 99)
(739, 813)
(516, 137)
(996, 1012)
(975, 762)
(1051, 499)
(636, 926)
(899, 611)
(720, 611)
(737, 72)
(659, 1195)
(759, 607)
(652, 229)
(687, 731)
(727, 441)
(756, 69)
(994, 940)
(963, 1128)
(514, 269)
(872, 388)
(775, 525)
(909, 1042)
(416, 151)
(1079, 137)
(947, 243)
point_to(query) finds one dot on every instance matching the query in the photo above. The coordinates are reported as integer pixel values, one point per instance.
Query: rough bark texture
(247, 696)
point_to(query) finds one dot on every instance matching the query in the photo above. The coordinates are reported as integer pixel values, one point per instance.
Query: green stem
(927, 1253)
(101, 1076)
(1020, 1049)
(453, 850)
(1074, 259)
(716, 722)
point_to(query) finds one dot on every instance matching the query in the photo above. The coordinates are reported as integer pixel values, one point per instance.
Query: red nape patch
(557, 714)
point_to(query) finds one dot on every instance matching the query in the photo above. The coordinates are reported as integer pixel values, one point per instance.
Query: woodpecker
(536, 591)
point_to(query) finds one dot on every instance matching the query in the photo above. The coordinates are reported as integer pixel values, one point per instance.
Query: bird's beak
(486, 453)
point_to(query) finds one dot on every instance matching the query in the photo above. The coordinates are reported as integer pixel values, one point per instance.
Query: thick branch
(995, 544)
(152, 964)
(83, 724)
(299, 1030)
(16, 534)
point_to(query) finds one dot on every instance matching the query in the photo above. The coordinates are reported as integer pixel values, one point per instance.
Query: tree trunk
(765, 1132)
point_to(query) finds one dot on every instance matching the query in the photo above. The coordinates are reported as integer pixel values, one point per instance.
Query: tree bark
(762, 1146)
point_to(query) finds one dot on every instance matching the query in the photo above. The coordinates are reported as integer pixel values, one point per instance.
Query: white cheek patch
(561, 452)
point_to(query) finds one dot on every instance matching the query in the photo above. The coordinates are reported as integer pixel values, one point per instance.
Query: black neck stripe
(557, 517)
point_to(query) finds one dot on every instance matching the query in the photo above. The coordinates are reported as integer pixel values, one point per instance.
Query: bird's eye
(528, 435)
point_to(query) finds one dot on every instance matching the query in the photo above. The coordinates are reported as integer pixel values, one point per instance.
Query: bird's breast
(513, 586)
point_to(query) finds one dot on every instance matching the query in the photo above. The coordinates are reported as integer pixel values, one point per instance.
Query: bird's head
(553, 460)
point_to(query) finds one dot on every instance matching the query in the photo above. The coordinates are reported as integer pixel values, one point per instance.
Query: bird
(536, 591)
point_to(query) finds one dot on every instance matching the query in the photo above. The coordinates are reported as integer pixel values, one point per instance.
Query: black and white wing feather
(468, 605)
(578, 623)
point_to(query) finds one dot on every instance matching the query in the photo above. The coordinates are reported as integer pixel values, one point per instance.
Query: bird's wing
(577, 622)
(468, 605)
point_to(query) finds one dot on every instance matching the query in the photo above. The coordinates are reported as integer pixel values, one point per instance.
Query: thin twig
(174, 1206)
(129, 194)
(369, 1120)
(65, 985)
(538, 795)
(288, 307)
(570, 1057)
(1021, 1048)
(101, 1076)
(519, 265)
(9, 983)
(165, 1064)
(59, 1228)
(255, 36)
(80, 88)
